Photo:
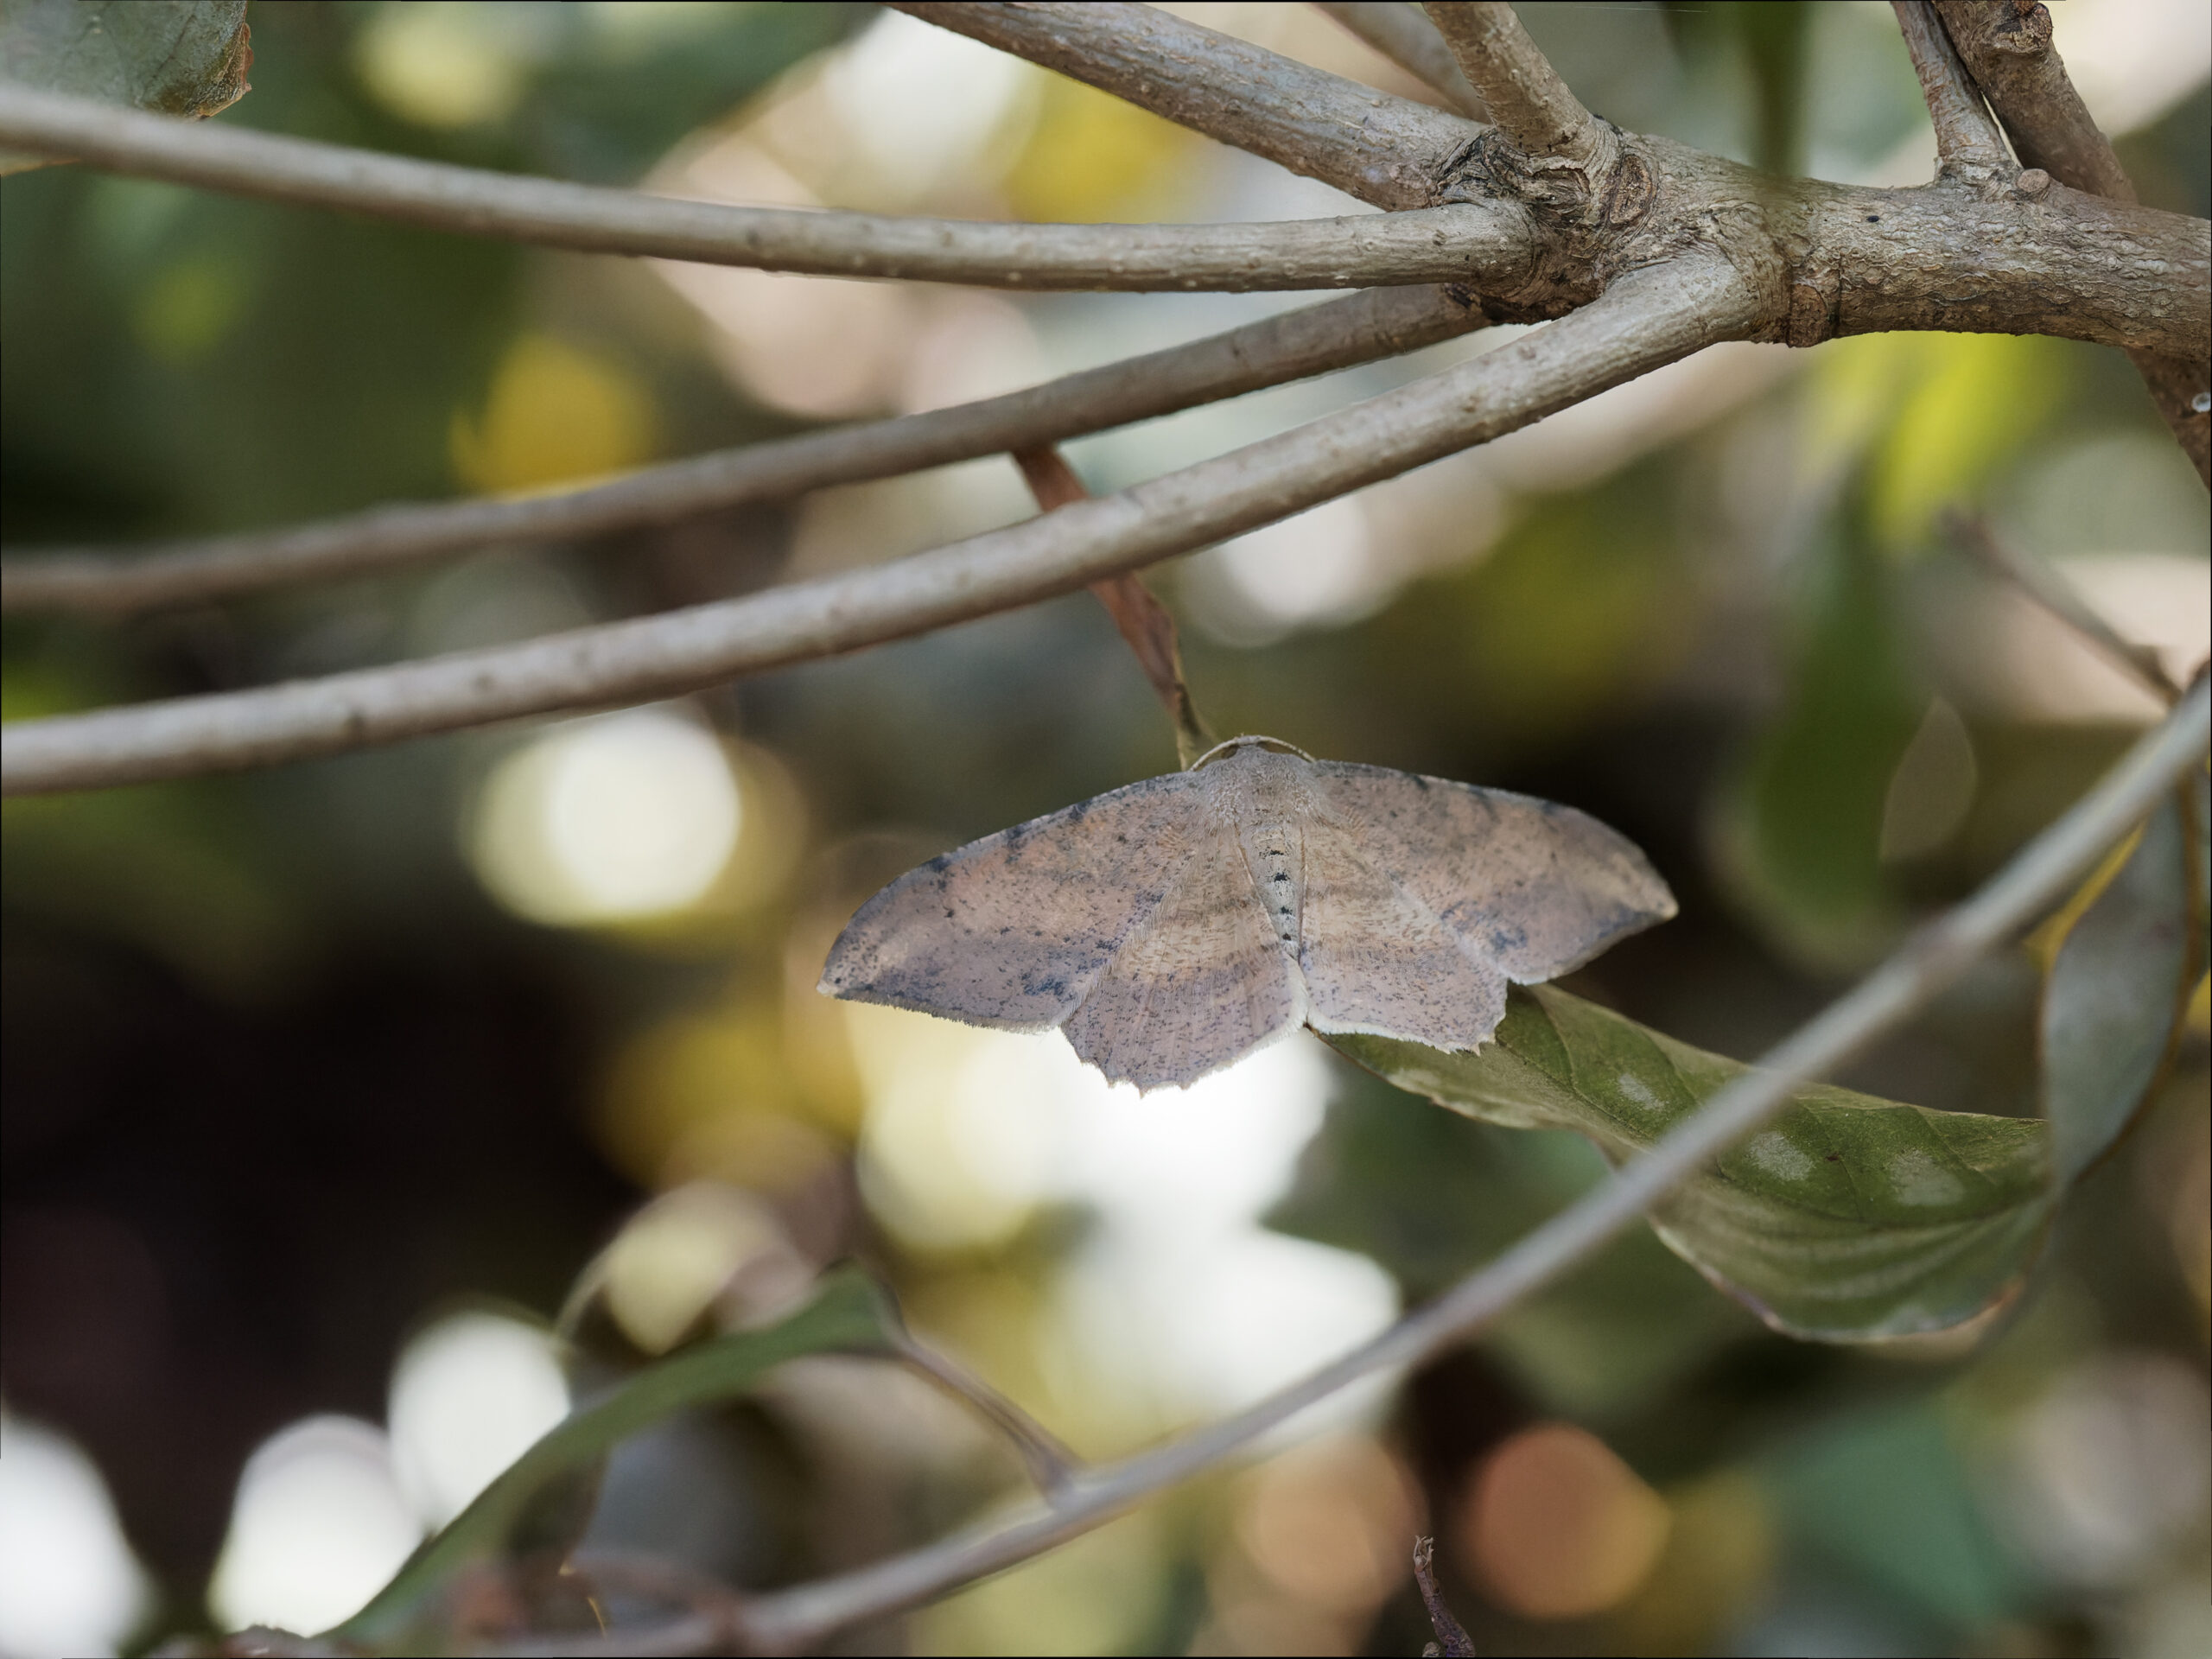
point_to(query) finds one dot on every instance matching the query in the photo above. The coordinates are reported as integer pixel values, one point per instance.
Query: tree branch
(1526, 97)
(1383, 148)
(1410, 41)
(2058, 596)
(1379, 323)
(2007, 44)
(2044, 872)
(1967, 143)
(1651, 317)
(1462, 242)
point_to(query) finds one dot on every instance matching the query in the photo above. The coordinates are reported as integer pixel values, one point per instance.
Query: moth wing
(1010, 930)
(1197, 984)
(1378, 960)
(1535, 886)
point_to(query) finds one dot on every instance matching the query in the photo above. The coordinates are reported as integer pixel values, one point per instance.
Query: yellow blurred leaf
(555, 413)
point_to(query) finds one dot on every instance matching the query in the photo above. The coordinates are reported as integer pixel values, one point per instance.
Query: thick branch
(791, 1621)
(1967, 143)
(1526, 97)
(1652, 318)
(1462, 242)
(1375, 145)
(1410, 41)
(1380, 322)
(2006, 45)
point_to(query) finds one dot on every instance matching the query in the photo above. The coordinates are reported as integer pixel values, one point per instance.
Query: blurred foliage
(285, 1007)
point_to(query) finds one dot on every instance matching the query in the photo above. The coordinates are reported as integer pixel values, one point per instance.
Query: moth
(1172, 927)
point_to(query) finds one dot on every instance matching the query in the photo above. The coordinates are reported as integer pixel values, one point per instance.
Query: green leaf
(1847, 1218)
(849, 1314)
(2117, 990)
(183, 57)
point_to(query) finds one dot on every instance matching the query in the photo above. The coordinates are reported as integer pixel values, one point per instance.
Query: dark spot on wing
(1835, 1157)
(1279, 876)
(1508, 938)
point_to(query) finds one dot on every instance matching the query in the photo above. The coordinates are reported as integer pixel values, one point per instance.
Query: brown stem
(1453, 1641)
(1145, 623)
(2006, 45)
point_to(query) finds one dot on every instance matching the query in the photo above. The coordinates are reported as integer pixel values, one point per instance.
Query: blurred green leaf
(1430, 1195)
(1886, 1493)
(1802, 830)
(1849, 1218)
(184, 57)
(2118, 991)
(849, 1314)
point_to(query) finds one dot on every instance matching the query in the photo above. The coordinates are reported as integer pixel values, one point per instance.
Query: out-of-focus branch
(1406, 37)
(1648, 319)
(2006, 45)
(1379, 323)
(1052, 1467)
(1455, 243)
(789, 1621)
(1375, 145)
(2057, 595)
(1146, 626)
(1525, 96)
(1967, 143)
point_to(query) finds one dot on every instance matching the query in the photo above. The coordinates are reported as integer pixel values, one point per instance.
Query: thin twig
(1402, 35)
(1451, 1639)
(1460, 242)
(1524, 94)
(1371, 145)
(1650, 318)
(1146, 626)
(2007, 47)
(2059, 596)
(1291, 345)
(1967, 143)
(2038, 876)
(1051, 1465)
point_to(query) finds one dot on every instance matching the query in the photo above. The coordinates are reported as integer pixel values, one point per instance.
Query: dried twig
(1461, 242)
(1312, 340)
(2057, 595)
(2006, 45)
(1524, 94)
(1648, 319)
(1453, 1641)
(1967, 143)
(2038, 876)
(1145, 624)
(1402, 35)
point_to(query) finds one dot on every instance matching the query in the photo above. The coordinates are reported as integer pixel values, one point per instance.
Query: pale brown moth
(1172, 927)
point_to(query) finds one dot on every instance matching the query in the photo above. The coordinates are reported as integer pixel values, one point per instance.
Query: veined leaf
(848, 1315)
(1847, 1218)
(185, 57)
(2117, 990)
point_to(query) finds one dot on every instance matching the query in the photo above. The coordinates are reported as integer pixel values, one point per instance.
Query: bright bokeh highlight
(468, 1396)
(318, 1525)
(611, 819)
(69, 1584)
